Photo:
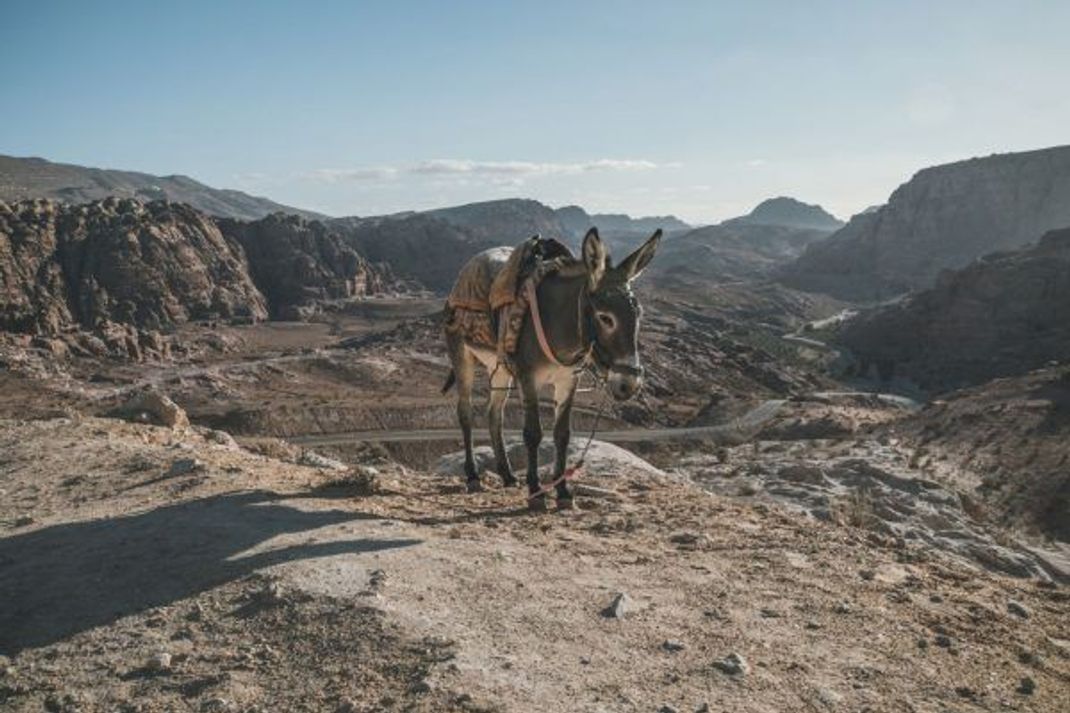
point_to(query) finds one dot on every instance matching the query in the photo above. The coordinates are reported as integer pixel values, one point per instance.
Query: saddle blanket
(486, 304)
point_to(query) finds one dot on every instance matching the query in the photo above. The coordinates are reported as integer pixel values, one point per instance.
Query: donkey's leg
(464, 368)
(532, 438)
(564, 393)
(499, 394)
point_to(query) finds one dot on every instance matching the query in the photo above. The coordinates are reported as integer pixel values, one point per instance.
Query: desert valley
(231, 483)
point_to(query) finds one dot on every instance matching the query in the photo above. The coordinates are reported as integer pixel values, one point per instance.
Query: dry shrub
(856, 510)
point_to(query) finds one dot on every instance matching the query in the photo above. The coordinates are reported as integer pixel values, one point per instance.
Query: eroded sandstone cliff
(944, 217)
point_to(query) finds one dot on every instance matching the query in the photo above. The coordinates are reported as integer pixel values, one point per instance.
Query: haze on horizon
(700, 110)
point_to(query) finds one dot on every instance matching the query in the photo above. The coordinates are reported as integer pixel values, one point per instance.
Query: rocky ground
(150, 568)
(820, 549)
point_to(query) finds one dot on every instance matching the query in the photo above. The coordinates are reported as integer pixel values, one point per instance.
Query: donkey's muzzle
(624, 381)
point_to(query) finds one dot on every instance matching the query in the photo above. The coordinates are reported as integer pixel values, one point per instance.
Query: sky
(698, 109)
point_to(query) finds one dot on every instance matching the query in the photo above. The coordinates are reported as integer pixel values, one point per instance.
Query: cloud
(249, 177)
(344, 175)
(511, 172)
(525, 168)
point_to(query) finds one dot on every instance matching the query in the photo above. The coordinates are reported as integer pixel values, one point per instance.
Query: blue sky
(700, 109)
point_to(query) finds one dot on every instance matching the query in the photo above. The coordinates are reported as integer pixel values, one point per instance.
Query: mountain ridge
(945, 216)
(33, 177)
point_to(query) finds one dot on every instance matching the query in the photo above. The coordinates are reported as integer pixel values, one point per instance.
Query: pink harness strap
(536, 318)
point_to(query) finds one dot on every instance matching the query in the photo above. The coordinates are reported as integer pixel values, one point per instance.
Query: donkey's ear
(595, 257)
(637, 261)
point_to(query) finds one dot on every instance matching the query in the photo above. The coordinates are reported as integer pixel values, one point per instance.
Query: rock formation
(117, 261)
(420, 247)
(944, 217)
(109, 275)
(1010, 437)
(296, 262)
(1003, 315)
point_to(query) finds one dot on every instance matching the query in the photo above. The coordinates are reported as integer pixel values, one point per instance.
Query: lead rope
(575, 470)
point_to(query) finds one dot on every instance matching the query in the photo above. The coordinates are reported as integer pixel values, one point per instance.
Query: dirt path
(270, 587)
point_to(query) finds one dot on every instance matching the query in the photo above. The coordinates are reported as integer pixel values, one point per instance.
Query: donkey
(589, 317)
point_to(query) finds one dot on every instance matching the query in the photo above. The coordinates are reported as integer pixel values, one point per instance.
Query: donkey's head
(614, 311)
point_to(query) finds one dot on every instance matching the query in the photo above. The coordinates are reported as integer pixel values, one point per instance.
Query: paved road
(753, 419)
(742, 426)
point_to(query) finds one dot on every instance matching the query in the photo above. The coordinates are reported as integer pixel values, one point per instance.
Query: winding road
(751, 421)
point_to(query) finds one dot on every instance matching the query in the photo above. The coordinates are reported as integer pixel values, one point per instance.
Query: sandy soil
(132, 580)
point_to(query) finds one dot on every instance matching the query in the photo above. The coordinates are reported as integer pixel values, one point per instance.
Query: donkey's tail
(450, 381)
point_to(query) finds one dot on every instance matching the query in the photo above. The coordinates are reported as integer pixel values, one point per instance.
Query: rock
(315, 460)
(184, 466)
(24, 520)
(843, 608)
(668, 709)
(215, 705)
(703, 708)
(55, 347)
(1027, 686)
(603, 458)
(116, 266)
(347, 705)
(270, 593)
(828, 697)
(687, 539)
(1018, 609)
(298, 263)
(1061, 646)
(222, 438)
(943, 641)
(159, 662)
(673, 645)
(733, 664)
(619, 607)
(944, 217)
(157, 408)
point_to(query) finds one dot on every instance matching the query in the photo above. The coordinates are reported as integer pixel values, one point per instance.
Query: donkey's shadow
(65, 579)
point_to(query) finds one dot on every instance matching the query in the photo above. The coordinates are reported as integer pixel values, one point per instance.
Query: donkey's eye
(607, 320)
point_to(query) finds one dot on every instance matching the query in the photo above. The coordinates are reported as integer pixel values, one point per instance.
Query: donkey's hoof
(473, 485)
(566, 503)
(538, 504)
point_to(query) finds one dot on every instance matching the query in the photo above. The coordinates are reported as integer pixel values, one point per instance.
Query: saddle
(488, 302)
